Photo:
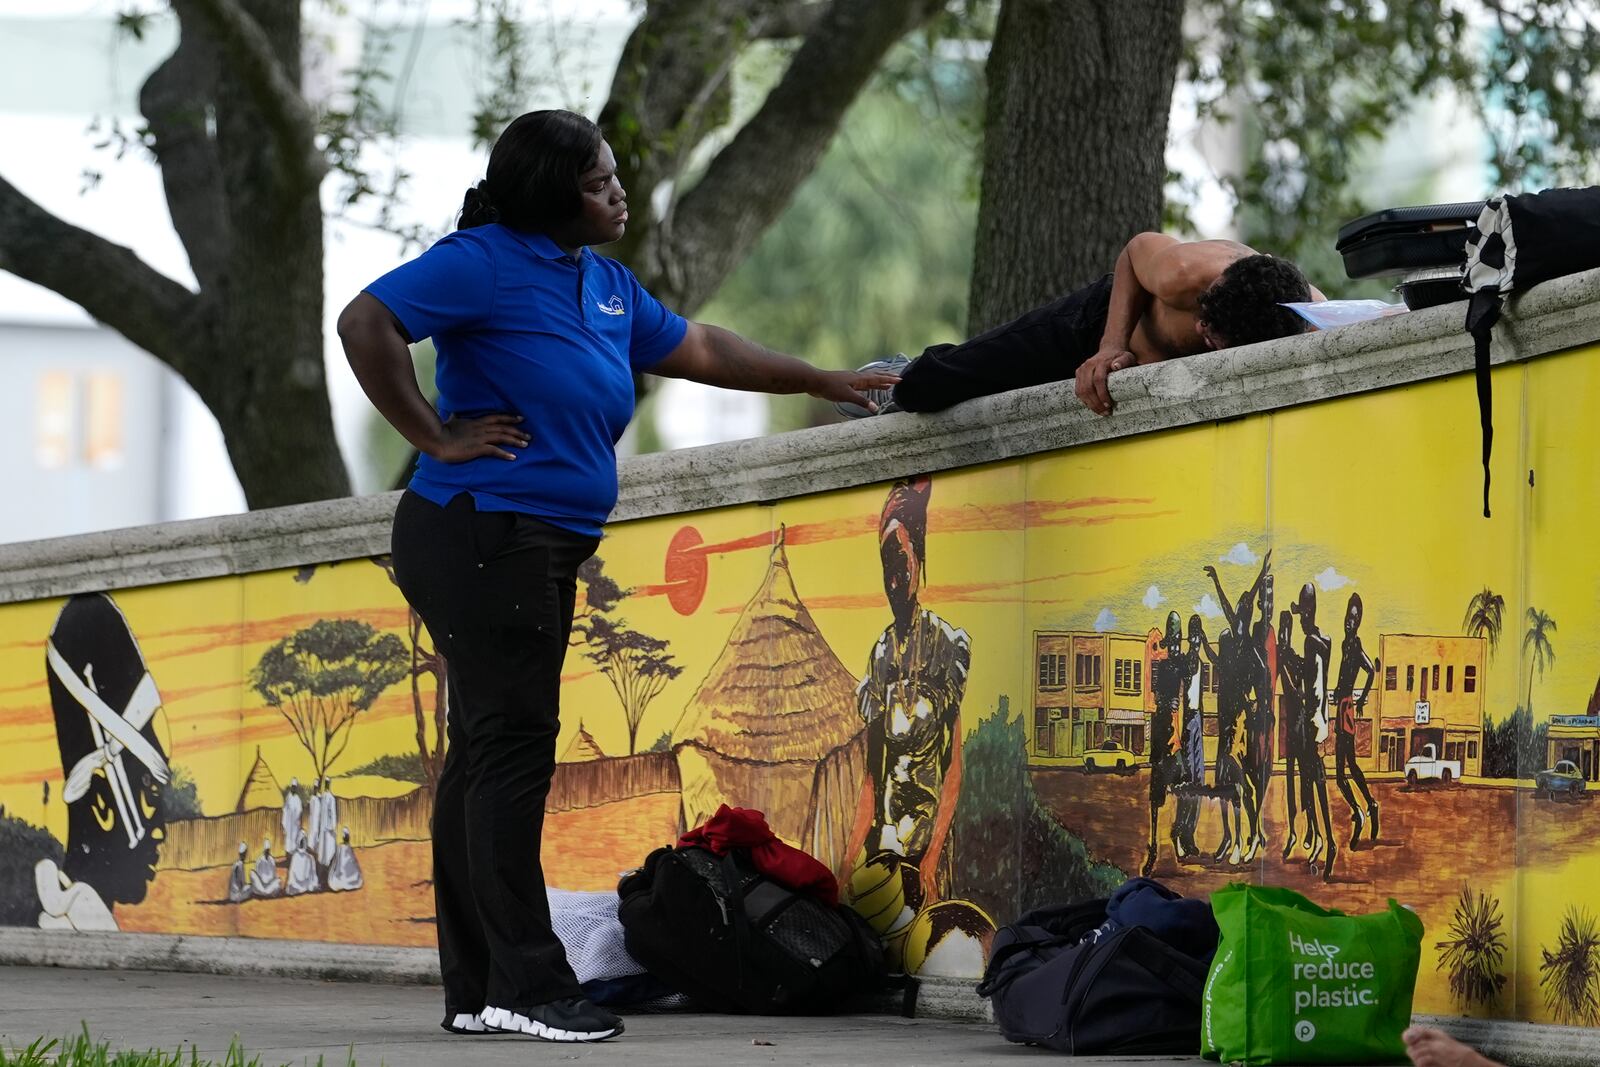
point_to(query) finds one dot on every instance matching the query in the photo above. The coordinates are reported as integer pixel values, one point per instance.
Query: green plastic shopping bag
(1295, 983)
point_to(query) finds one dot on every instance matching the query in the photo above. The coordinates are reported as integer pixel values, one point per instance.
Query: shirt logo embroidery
(612, 306)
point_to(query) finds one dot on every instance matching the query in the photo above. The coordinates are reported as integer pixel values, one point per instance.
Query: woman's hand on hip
(463, 439)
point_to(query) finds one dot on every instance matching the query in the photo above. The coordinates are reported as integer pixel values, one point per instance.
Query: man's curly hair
(1243, 305)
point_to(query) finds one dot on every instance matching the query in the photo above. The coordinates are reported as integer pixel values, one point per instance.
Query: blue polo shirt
(522, 327)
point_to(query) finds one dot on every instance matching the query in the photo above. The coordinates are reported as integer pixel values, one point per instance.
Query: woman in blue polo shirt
(538, 339)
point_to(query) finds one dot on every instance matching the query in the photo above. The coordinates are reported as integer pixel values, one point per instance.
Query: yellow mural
(1285, 648)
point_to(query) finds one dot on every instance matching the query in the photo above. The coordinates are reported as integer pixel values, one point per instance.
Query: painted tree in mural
(1570, 973)
(324, 676)
(1474, 954)
(425, 659)
(1485, 617)
(637, 665)
(1536, 643)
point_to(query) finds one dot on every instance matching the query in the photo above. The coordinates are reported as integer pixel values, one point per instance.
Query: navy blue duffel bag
(1121, 976)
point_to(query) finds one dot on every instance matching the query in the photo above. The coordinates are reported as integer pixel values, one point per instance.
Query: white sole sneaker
(505, 1021)
(468, 1025)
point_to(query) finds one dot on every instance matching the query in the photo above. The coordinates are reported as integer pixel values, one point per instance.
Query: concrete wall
(1350, 457)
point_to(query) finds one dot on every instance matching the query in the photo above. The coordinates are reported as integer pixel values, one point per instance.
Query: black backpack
(732, 940)
(1519, 242)
(1124, 993)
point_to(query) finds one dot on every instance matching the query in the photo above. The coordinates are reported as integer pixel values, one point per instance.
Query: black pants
(1346, 768)
(496, 591)
(1048, 344)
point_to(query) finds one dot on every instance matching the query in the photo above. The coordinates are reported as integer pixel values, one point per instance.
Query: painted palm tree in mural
(1536, 642)
(1485, 617)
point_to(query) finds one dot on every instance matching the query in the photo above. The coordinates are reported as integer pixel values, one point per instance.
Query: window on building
(1126, 676)
(1472, 746)
(1052, 671)
(1205, 678)
(1469, 679)
(1087, 673)
(1391, 679)
(103, 422)
(1435, 685)
(1450, 679)
(56, 425)
(1041, 729)
(1411, 677)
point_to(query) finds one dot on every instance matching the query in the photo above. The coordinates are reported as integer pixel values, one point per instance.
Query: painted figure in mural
(1261, 721)
(325, 843)
(293, 809)
(1166, 766)
(302, 870)
(345, 874)
(1314, 725)
(1296, 786)
(910, 700)
(239, 877)
(105, 703)
(1351, 705)
(1236, 681)
(1193, 742)
(538, 341)
(314, 814)
(264, 880)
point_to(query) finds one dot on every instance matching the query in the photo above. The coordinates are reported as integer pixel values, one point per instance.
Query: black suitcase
(1425, 246)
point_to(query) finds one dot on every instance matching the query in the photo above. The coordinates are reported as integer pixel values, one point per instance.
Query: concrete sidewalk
(297, 1020)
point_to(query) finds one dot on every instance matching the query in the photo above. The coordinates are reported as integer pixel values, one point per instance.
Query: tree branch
(176, 100)
(751, 181)
(799, 19)
(274, 92)
(107, 280)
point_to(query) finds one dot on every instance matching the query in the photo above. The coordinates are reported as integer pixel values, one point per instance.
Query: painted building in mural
(909, 680)
(1576, 739)
(1090, 692)
(1430, 694)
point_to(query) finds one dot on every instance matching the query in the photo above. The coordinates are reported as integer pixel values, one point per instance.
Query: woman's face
(603, 214)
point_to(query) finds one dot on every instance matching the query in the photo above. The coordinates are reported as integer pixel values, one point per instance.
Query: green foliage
(22, 846)
(83, 1051)
(402, 767)
(662, 743)
(1010, 855)
(637, 665)
(1514, 747)
(1321, 83)
(874, 254)
(1485, 617)
(181, 796)
(1476, 950)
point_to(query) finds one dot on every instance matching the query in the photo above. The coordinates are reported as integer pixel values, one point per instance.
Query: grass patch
(84, 1051)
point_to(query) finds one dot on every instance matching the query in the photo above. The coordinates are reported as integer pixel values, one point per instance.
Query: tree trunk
(1074, 145)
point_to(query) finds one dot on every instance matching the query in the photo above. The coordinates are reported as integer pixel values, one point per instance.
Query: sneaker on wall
(884, 398)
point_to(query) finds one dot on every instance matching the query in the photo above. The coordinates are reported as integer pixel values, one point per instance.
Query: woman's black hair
(534, 167)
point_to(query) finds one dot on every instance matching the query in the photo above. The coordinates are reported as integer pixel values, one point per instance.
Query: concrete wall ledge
(1415, 347)
(1523, 1044)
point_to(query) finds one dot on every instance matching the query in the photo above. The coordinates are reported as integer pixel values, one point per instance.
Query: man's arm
(714, 356)
(1151, 267)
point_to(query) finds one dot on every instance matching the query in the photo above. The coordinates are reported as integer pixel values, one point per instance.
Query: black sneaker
(572, 1019)
(465, 1023)
(884, 398)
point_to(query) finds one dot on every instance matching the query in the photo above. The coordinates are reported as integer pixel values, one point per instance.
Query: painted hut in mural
(582, 748)
(261, 788)
(774, 725)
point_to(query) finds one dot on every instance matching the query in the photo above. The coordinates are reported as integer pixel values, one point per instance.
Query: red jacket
(733, 828)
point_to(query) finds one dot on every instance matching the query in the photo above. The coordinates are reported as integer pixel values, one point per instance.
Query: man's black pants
(1048, 344)
(496, 591)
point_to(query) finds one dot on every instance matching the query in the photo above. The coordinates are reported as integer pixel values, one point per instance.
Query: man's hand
(847, 386)
(464, 439)
(1092, 388)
